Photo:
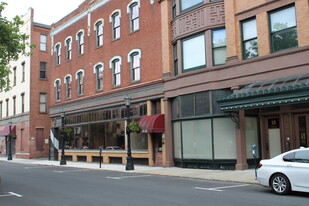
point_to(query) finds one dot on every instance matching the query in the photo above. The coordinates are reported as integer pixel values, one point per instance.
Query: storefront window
(197, 143)
(252, 132)
(177, 139)
(224, 138)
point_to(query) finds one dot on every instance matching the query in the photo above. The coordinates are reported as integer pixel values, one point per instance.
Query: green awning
(275, 92)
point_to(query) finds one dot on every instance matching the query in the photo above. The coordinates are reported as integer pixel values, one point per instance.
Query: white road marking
(57, 171)
(219, 189)
(38, 167)
(126, 177)
(11, 194)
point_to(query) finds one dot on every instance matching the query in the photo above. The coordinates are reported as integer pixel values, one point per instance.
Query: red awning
(6, 131)
(152, 124)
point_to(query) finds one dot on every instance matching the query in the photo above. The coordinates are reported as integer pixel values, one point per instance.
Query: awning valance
(275, 92)
(152, 124)
(6, 131)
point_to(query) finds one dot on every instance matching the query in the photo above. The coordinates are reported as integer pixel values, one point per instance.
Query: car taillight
(260, 165)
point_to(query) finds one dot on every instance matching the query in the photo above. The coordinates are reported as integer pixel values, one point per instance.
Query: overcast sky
(45, 11)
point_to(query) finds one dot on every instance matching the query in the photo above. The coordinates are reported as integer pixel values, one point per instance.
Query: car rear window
(302, 156)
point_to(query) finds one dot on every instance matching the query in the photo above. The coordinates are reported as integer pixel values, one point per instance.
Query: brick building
(102, 52)
(24, 107)
(239, 77)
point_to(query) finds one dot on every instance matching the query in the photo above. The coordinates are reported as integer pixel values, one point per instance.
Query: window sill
(114, 40)
(99, 47)
(133, 32)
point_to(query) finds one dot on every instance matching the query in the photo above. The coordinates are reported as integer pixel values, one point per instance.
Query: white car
(286, 172)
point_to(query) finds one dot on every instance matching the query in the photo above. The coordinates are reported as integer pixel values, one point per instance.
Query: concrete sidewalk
(245, 176)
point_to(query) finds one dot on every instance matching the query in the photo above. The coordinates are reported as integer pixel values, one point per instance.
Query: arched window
(80, 42)
(68, 48)
(99, 33)
(98, 71)
(57, 84)
(58, 54)
(134, 59)
(115, 65)
(115, 20)
(80, 82)
(68, 88)
(134, 16)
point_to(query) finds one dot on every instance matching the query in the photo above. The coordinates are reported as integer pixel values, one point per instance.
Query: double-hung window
(219, 46)
(135, 66)
(174, 8)
(189, 4)
(43, 70)
(194, 53)
(283, 29)
(57, 90)
(116, 67)
(68, 45)
(14, 73)
(80, 43)
(68, 81)
(43, 42)
(14, 105)
(58, 54)
(7, 107)
(0, 109)
(99, 77)
(23, 72)
(80, 83)
(43, 102)
(116, 25)
(134, 17)
(175, 59)
(99, 33)
(249, 39)
(22, 96)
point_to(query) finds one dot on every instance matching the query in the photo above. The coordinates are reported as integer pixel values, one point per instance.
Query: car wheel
(280, 184)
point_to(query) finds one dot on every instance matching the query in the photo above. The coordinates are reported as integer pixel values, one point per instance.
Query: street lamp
(10, 142)
(62, 161)
(130, 165)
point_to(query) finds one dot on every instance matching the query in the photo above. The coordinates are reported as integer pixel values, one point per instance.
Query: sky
(45, 11)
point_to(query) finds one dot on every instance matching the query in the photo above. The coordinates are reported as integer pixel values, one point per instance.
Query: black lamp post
(10, 143)
(62, 161)
(130, 165)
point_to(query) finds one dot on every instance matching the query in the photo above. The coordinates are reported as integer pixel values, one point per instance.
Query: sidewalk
(244, 176)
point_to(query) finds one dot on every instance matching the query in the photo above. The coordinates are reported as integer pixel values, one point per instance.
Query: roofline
(41, 25)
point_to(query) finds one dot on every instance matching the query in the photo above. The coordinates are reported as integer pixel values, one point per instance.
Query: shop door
(157, 149)
(274, 137)
(302, 127)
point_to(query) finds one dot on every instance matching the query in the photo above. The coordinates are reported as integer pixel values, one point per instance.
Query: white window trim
(95, 23)
(81, 30)
(132, 2)
(111, 15)
(81, 70)
(65, 78)
(58, 79)
(99, 63)
(134, 51)
(65, 41)
(114, 58)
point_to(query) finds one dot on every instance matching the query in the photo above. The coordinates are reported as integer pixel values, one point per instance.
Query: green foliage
(12, 43)
(134, 127)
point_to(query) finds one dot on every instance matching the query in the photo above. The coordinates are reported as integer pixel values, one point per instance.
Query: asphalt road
(37, 185)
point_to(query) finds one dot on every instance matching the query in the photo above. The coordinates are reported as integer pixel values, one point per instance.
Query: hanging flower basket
(13, 136)
(134, 127)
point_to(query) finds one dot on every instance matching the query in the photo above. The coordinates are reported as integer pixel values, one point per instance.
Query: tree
(12, 44)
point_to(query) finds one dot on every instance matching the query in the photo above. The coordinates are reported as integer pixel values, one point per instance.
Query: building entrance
(274, 137)
(302, 130)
